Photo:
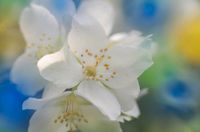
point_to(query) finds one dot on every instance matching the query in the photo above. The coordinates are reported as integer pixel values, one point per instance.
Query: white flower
(67, 112)
(44, 34)
(103, 69)
(63, 10)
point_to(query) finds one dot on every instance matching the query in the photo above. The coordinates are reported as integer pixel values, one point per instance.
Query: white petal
(37, 103)
(143, 92)
(25, 73)
(132, 38)
(127, 60)
(134, 112)
(34, 104)
(63, 10)
(51, 90)
(39, 26)
(102, 11)
(116, 38)
(126, 76)
(97, 122)
(101, 97)
(86, 34)
(127, 98)
(127, 49)
(43, 119)
(63, 70)
(124, 56)
(123, 118)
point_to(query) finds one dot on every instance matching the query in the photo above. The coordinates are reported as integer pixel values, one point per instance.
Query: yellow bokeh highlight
(187, 38)
(11, 40)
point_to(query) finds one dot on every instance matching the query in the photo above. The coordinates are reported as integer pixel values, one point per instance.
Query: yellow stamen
(90, 71)
(72, 115)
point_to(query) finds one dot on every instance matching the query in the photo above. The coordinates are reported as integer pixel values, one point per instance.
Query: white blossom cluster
(89, 77)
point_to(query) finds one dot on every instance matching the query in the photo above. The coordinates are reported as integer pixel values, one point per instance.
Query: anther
(106, 65)
(90, 71)
(90, 54)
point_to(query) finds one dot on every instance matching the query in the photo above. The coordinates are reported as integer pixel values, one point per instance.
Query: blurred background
(172, 104)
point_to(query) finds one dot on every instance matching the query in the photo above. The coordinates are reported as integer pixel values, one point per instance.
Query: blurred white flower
(67, 112)
(63, 10)
(44, 34)
(103, 69)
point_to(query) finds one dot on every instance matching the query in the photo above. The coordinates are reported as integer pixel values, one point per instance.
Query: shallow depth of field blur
(172, 103)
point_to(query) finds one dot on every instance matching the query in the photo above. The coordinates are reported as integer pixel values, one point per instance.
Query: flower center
(90, 61)
(45, 45)
(72, 116)
(90, 71)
